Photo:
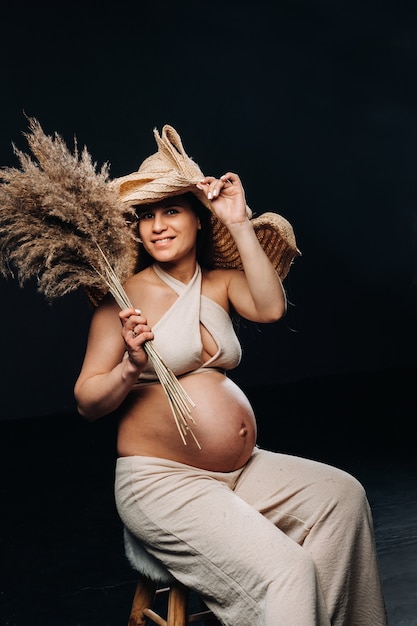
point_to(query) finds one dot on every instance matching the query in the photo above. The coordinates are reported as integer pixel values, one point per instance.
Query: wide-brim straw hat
(171, 172)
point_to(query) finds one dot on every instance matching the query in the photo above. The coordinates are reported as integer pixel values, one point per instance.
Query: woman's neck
(181, 271)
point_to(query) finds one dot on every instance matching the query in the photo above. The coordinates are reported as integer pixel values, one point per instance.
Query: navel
(243, 431)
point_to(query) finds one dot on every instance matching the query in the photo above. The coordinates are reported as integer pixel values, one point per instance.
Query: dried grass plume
(56, 212)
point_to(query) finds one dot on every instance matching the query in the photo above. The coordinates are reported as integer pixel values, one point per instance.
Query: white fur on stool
(145, 563)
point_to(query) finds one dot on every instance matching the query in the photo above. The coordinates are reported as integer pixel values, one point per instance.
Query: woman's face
(168, 229)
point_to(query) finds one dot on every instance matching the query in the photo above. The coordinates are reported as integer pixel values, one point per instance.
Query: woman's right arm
(113, 360)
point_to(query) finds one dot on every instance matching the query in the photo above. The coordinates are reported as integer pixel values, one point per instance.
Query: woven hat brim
(274, 233)
(137, 191)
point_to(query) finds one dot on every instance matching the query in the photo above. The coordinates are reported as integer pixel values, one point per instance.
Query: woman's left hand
(227, 197)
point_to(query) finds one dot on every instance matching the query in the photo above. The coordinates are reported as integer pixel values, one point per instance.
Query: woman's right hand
(135, 332)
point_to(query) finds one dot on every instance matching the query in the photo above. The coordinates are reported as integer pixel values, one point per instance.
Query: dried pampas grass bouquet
(56, 213)
(62, 223)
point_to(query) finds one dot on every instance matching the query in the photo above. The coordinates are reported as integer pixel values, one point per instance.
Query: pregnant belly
(225, 425)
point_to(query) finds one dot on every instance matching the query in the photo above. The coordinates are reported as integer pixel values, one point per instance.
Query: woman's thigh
(295, 493)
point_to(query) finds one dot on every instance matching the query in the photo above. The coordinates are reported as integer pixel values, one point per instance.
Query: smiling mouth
(164, 240)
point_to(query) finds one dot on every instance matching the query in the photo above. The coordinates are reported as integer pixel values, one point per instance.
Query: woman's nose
(158, 222)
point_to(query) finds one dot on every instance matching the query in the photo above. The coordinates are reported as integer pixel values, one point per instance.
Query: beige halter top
(177, 336)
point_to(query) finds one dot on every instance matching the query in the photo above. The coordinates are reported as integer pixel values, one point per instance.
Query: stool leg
(177, 605)
(143, 599)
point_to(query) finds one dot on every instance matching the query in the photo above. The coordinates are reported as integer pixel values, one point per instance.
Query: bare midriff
(225, 425)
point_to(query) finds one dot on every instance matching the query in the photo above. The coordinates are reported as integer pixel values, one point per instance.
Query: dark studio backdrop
(314, 104)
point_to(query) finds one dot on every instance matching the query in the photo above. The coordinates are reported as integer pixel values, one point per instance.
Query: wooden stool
(156, 583)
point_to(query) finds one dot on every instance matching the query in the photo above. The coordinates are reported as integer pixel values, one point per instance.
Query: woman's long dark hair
(204, 244)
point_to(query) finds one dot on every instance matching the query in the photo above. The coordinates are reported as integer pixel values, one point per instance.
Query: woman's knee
(352, 491)
(346, 497)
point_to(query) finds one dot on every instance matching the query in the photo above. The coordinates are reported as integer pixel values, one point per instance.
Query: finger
(207, 180)
(126, 314)
(213, 186)
(229, 178)
(137, 329)
(136, 339)
(225, 183)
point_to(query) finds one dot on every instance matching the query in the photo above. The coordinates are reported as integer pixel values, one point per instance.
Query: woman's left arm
(256, 293)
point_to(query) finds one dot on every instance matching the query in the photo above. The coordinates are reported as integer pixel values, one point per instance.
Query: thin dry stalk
(179, 401)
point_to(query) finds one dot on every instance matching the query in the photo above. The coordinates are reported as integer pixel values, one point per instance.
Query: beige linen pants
(283, 541)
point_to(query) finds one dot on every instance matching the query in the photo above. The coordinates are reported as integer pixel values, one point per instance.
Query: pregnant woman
(266, 539)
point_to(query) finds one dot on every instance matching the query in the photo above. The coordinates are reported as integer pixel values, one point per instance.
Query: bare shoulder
(216, 284)
(141, 286)
(149, 294)
(143, 278)
(221, 276)
(107, 306)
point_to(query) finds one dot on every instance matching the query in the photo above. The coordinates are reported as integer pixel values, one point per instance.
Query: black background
(312, 103)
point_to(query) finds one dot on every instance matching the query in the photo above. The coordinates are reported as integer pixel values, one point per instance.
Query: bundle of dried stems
(62, 223)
